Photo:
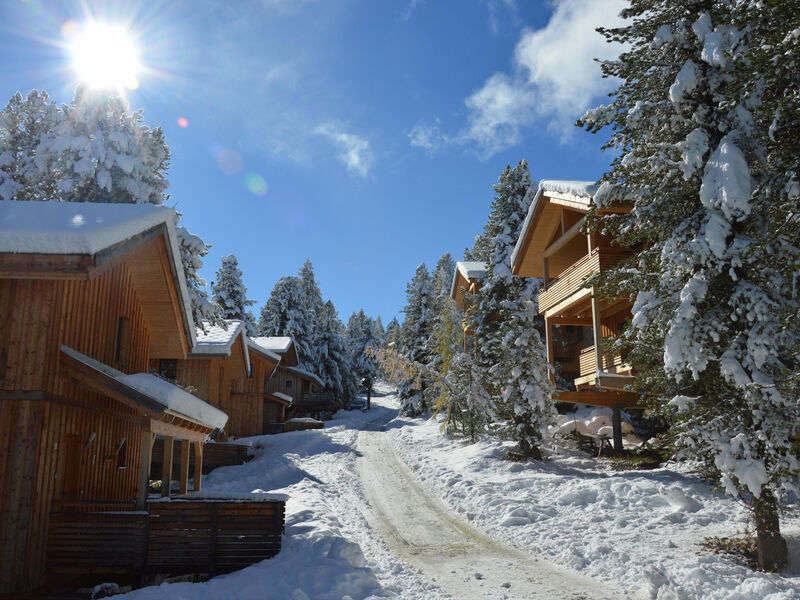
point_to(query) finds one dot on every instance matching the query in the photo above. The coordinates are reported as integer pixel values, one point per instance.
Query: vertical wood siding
(41, 407)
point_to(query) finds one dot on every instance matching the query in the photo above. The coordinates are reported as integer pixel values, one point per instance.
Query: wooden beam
(145, 458)
(198, 466)
(564, 239)
(178, 430)
(545, 272)
(184, 474)
(569, 302)
(605, 398)
(166, 467)
(570, 321)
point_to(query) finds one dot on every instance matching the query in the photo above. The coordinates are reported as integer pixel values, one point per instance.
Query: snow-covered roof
(306, 374)
(87, 228)
(472, 269)
(468, 269)
(281, 396)
(166, 395)
(580, 189)
(274, 344)
(217, 340)
(255, 345)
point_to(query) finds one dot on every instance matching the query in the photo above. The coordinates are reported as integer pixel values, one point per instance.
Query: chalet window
(168, 368)
(288, 384)
(122, 454)
(123, 341)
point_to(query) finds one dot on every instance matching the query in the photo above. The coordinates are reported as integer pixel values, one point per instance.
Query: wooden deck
(182, 536)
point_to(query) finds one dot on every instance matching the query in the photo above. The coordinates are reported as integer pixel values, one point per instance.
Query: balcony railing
(588, 361)
(571, 280)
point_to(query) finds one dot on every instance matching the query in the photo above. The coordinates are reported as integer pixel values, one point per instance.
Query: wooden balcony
(613, 367)
(183, 536)
(571, 281)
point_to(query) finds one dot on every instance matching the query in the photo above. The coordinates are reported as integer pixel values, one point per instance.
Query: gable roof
(253, 345)
(466, 272)
(219, 340)
(552, 195)
(87, 238)
(283, 346)
(306, 374)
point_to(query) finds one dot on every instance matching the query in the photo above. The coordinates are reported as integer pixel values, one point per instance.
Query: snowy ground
(634, 530)
(639, 529)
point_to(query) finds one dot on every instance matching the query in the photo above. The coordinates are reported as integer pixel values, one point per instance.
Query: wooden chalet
(290, 380)
(89, 293)
(467, 279)
(553, 248)
(272, 404)
(218, 369)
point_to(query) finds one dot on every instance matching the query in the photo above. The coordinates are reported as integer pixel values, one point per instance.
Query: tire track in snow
(418, 528)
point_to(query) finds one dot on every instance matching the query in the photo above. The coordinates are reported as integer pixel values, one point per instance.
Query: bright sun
(104, 56)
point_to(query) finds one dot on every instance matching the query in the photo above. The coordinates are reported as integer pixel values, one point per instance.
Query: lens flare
(183, 122)
(230, 161)
(256, 184)
(104, 56)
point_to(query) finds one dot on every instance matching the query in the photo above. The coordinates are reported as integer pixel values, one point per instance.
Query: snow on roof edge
(468, 273)
(259, 348)
(301, 371)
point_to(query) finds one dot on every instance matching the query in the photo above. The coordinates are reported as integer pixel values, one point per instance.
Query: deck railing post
(166, 467)
(198, 466)
(616, 423)
(184, 474)
(145, 457)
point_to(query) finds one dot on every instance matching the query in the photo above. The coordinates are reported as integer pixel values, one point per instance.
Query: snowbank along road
(466, 563)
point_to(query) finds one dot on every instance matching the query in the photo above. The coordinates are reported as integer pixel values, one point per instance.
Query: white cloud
(555, 77)
(429, 137)
(356, 154)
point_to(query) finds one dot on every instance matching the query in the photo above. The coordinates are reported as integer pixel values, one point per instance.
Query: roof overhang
(104, 380)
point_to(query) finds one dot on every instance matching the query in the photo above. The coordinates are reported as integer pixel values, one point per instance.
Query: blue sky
(364, 135)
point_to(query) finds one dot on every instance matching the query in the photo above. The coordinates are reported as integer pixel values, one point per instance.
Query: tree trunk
(369, 395)
(773, 554)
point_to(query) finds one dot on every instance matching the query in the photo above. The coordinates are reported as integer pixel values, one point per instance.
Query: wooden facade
(71, 435)
(467, 279)
(554, 248)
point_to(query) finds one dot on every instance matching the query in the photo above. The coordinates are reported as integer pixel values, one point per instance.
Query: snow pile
(74, 227)
(328, 551)
(175, 399)
(638, 529)
(594, 421)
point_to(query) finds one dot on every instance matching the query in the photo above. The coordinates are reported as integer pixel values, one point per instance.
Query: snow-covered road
(420, 530)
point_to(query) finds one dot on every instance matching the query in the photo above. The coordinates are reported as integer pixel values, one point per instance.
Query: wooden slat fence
(177, 537)
(99, 542)
(212, 537)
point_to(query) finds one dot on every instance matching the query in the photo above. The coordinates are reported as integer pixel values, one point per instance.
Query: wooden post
(166, 467)
(616, 423)
(198, 466)
(597, 331)
(545, 272)
(145, 458)
(184, 476)
(548, 336)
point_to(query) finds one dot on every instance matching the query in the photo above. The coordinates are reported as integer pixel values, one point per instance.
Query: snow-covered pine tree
(502, 318)
(415, 334)
(92, 150)
(284, 314)
(313, 306)
(363, 344)
(230, 294)
(378, 331)
(392, 335)
(336, 366)
(714, 282)
(466, 404)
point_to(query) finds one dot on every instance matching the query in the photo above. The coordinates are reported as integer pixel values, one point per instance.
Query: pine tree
(711, 329)
(313, 306)
(284, 314)
(415, 334)
(230, 294)
(192, 249)
(336, 366)
(392, 335)
(363, 344)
